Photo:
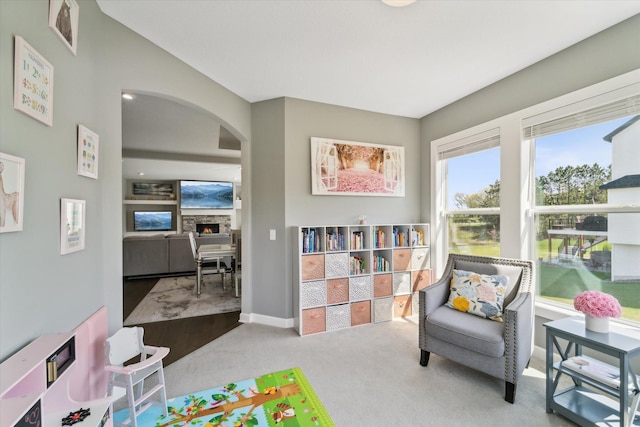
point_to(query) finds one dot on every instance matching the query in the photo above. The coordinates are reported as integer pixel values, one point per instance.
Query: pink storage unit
(382, 285)
(402, 306)
(401, 259)
(420, 279)
(358, 274)
(337, 291)
(56, 374)
(360, 313)
(312, 267)
(314, 320)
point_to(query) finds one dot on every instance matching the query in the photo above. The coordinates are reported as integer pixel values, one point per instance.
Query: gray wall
(281, 194)
(41, 291)
(607, 54)
(268, 204)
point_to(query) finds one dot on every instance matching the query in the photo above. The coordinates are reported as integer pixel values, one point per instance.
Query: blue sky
(471, 173)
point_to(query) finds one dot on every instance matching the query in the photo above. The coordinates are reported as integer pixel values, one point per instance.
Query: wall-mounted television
(206, 195)
(152, 220)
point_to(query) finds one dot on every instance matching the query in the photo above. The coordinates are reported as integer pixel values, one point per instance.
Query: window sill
(550, 311)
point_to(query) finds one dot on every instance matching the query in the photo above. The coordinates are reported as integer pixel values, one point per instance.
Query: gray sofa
(160, 255)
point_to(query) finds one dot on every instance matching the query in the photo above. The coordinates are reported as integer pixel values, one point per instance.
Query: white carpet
(175, 298)
(369, 376)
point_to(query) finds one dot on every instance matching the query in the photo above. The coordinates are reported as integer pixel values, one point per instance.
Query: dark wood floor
(182, 336)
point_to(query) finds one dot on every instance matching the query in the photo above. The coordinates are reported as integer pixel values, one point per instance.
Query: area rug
(283, 398)
(175, 298)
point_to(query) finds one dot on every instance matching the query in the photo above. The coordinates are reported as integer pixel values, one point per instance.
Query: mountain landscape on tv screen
(149, 221)
(206, 196)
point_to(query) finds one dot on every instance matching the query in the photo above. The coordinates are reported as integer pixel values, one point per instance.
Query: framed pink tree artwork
(356, 168)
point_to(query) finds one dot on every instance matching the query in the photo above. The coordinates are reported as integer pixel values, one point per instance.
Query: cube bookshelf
(351, 275)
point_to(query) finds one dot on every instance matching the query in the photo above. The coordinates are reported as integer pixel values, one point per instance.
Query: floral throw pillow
(479, 294)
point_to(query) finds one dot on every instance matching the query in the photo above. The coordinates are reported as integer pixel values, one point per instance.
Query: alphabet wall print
(33, 83)
(87, 152)
(11, 193)
(63, 20)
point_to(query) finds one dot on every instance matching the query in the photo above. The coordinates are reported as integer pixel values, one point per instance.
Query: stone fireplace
(207, 228)
(206, 224)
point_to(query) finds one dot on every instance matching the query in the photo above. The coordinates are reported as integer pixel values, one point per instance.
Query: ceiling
(170, 140)
(362, 54)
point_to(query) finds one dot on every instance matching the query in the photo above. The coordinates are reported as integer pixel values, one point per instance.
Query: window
(568, 193)
(578, 160)
(470, 178)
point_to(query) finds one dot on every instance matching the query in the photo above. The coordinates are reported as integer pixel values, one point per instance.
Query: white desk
(211, 253)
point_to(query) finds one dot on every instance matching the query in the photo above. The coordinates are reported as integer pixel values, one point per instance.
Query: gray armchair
(499, 349)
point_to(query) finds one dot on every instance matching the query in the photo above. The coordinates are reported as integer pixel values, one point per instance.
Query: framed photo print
(63, 20)
(356, 168)
(72, 222)
(88, 143)
(33, 83)
(11, 193)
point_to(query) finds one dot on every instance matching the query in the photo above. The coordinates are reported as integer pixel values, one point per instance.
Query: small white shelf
(149, 202)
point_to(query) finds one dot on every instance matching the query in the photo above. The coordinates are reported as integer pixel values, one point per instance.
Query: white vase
(597, 324)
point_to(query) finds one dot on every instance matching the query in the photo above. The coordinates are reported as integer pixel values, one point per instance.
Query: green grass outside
(562, 283)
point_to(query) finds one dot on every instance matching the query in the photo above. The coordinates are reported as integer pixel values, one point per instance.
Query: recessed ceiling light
(127, 96)
(398, 3)
(140, 173)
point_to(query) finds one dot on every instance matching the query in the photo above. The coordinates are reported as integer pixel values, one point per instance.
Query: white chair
(125, 345)
(207, 265)
(237, 265)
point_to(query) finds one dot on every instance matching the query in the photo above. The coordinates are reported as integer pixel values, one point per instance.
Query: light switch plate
(272, 234)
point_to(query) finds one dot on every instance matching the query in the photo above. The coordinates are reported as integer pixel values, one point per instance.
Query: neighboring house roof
(627, 181)
(620, 128)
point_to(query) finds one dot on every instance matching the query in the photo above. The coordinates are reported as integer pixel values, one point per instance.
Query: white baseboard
(266, 320)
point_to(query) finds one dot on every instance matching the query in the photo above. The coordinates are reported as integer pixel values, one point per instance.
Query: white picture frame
(32, 83)
(72, 225)
(348, 168)
(12, 171)
(88, 152)
(64, 16)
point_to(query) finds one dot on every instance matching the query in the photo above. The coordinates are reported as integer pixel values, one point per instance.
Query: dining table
(208, 253)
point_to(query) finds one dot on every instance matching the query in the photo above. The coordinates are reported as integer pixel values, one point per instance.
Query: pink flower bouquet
(597, 304)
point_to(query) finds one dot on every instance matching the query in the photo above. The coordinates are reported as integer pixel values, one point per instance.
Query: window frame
(517, 176)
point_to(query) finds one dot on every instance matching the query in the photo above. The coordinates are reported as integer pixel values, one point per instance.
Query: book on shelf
(357, 240)
(335, 241)
(379, 236)
(380, 264)
(417, 237)
(400, 237)
(357, 265)
(597, 370)
(310, 240)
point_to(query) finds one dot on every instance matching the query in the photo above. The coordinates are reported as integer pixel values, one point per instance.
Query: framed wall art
(63, 20)
(88, 152)
(33, 83)
(356, 168)
(157, 189)
(11, 193)
(72, 225)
